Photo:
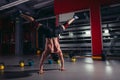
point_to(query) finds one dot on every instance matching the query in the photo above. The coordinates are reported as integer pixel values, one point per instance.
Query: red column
(57, 20)
(96, 29)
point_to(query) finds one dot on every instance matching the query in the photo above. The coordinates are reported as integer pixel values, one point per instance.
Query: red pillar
(96, 29)
(57, 20)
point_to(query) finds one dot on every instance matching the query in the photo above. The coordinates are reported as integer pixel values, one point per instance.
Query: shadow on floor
(19, 74)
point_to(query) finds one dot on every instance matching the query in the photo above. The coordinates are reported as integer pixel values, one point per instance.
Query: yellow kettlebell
(58, 62)
(73, 59)
(2, 67)
(38, 52)
(21, 63)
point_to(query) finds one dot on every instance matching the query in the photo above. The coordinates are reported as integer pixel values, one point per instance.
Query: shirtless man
(52, 43)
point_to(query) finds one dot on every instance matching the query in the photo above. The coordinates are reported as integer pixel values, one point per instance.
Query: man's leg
(70, 21)
(59, 29)
(28, 18)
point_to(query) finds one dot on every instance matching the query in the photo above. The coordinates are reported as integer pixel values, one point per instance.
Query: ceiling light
(13, 4)
(42, 4)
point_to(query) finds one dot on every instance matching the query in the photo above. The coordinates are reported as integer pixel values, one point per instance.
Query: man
(52, 43)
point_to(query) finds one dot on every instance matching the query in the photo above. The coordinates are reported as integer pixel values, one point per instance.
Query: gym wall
(76, 38)
(94, 6)
(111, 30)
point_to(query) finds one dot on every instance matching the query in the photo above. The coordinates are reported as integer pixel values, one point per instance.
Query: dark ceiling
(36, 8)
(45, 8)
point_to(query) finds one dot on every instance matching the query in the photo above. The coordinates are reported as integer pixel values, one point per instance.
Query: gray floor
(82, 69)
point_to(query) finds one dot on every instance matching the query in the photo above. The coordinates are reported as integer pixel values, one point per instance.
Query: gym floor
(82, 69)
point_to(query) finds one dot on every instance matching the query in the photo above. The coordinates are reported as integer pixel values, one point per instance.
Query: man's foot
(75, 17)
(20, 12)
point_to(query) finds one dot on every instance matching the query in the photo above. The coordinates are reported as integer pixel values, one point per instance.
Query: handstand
(52, 44)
